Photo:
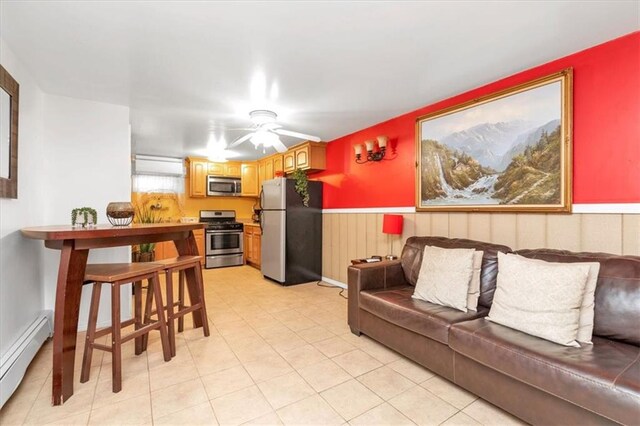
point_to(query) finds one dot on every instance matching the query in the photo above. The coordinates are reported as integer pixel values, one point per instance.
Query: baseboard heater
(15, 361)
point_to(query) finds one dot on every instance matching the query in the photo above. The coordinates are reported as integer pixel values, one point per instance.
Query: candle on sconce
(358, 149)
(382, 141)
(369, 145)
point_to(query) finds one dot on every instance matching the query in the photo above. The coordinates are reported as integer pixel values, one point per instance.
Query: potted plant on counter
(145, 252)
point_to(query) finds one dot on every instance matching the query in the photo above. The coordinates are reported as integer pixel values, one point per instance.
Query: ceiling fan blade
(242, 139)
(279, 146)
(284, 132)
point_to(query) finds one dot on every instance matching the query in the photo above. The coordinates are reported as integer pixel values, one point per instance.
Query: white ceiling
(185, 68)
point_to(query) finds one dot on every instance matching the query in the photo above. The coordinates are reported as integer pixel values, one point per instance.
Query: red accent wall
(606, 135)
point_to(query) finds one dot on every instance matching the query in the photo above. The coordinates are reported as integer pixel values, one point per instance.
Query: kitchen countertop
(250, 224)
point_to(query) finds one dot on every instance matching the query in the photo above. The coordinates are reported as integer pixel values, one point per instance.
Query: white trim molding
(334, 282)
(619, 208)
(615, 208)
(372, 210)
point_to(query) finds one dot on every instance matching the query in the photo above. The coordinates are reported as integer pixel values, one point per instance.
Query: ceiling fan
(266, 132)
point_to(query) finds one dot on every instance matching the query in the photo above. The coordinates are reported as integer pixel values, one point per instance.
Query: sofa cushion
(617, 299)
(412, 259)
(396, 306)
(603, 377)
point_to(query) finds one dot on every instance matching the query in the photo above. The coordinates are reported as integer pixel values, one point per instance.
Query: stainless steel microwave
(223, 186)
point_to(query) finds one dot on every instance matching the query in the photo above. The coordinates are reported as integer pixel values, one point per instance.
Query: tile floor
(276, 355)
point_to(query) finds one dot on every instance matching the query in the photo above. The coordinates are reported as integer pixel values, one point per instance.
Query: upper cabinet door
(232, 169)
(268, 169)
(249, 179)
(198, 179)
(302, 157)
(278, 165)
(216, 169)
(289, 162)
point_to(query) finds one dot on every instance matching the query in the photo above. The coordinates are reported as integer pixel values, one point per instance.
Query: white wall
(21, 274)
(88, 164)
(71, 153)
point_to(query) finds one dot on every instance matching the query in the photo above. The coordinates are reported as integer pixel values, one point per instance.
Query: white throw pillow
(474, 286)
(587, 309)
(444, 277)
(539, 298)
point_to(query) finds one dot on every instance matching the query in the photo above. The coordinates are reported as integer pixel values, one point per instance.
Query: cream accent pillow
(539, 298)
(474, 286)
(587, 309)
(444, 277)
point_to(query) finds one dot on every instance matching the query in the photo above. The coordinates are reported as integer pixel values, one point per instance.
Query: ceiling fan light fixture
(261, 117)
(264, 138)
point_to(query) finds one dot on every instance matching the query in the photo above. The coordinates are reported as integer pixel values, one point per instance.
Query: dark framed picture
(509, 151)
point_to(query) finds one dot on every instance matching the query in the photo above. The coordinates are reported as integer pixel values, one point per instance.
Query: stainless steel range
(223, 238)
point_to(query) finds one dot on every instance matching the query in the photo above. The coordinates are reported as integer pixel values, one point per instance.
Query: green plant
(85, 212)
(302, 185)
(146, 215)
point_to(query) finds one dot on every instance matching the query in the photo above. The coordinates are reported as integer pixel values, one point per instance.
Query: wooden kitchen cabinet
(249, 179)
(167, 249)
(252, 245)
(198, 170)
(230, 169)
(278, 164)
(289, 161)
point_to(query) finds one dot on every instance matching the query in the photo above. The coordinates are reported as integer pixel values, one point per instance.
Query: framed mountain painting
(509, 151)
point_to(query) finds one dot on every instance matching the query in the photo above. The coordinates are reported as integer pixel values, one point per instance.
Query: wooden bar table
(74, 245)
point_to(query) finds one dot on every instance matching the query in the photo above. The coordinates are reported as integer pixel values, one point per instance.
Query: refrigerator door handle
(261, 221)
(261, 198)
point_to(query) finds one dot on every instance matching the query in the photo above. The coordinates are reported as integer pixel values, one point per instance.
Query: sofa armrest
(370, 276)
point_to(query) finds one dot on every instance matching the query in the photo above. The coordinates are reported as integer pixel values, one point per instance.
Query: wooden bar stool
(118, 274)
(180, 264)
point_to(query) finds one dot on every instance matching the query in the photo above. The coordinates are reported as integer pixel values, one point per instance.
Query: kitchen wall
(71, 153)
(606, 176)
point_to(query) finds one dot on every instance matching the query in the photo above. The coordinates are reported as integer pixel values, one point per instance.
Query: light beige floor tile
(412, 371)
(75, 420)
(201, 414)
(226, 381)
(303, 356)
(310, 411)
(315, 334)
(386, 382)
(460, 419)
(350, 399)
(383, 415)
(177, 397)
(132, 386)
(334, 346)
(448, 391)
(323, 375)
(489, 414)
(270, 419)
(134, 411)
(172, 373)
(42, 410)
(240, 407)
(15, 410)
(284, 390)
(422, 407)
(357, 362)
(379, 351)
(254, 351)
(299, 324)
(267, 368)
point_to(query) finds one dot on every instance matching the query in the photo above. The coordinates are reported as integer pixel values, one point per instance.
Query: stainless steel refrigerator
(291, 232)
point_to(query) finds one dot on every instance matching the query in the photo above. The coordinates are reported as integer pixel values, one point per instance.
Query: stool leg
(166, 349)
(170, 311)
(137, 310)
(203, 308)
(180, 300)
(147, 314)
(116, 343)
(91, 332)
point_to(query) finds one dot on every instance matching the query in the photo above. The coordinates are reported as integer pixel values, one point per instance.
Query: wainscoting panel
(349, 236)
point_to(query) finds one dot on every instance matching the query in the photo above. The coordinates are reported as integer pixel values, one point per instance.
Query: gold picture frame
(510, 151)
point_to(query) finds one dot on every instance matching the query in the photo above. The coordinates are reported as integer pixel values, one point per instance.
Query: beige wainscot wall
(349, 236)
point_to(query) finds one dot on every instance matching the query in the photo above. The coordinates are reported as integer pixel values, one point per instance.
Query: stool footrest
(101, 347)
(141, 331)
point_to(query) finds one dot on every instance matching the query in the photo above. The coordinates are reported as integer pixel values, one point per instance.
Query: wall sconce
(371, 154)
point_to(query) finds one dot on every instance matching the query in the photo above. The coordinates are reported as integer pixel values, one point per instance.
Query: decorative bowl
(120, 213)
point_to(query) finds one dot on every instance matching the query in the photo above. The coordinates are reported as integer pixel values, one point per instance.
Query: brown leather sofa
(534, 379)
